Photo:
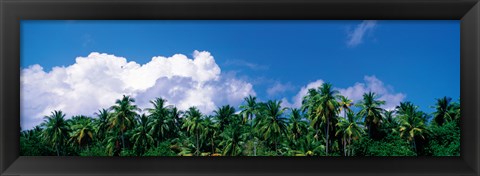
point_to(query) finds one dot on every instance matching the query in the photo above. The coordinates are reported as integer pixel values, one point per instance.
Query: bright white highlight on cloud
(297, 99)
(96, 81)
(355, 93)
(279, 88)
(373, 84)
(355, 37)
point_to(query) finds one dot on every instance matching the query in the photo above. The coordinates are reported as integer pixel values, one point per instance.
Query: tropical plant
(371, 111)
(350, 129)
(55, 131)
(142, 139)
(160, 124)
(272, 125)
(82, 131)
(326, 110)
(412, 124)
(445, 111)
(194, 125)
(123, 116)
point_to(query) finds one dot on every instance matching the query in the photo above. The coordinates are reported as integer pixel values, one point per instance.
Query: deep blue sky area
(418, 58)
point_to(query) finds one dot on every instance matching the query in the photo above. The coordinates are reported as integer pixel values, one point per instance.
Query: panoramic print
(240, 88)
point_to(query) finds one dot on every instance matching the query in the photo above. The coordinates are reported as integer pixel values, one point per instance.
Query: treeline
(327, 124)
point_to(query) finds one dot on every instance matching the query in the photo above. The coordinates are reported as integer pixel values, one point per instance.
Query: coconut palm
(224, 115)
(326, 110)
(272, 124)
(123, 116)
(210, 132)
(391, 123)
(344, 103)
(194, 125)
(371, 111)
(298, 126)
(55, 130)
(175, 118)
(412, 124)
(142, 139)
(83, 130)
(233, 138)
(160, 124)
(249, 109)
(310, 147)
(444, 111)
(349, 129)
(101, 123)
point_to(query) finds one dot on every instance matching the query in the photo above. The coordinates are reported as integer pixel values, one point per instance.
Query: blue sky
(418, 59)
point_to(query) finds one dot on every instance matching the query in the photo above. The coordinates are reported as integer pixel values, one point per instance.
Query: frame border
(12, 11)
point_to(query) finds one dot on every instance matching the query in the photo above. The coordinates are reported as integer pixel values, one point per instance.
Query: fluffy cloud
(355, 37)
(297, 99)
(373, 84)
(355, 92)
(96, 81)
(278, 88)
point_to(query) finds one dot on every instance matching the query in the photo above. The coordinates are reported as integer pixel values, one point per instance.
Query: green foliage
(445, 140)
(392, 145)
(163, 149)
(259, 129)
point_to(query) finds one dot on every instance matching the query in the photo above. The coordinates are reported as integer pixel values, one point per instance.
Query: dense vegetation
(327, 124)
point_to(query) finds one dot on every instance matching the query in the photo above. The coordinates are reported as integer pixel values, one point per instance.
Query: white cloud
(375, 85)
(355, 92)
(355, 37)
(279, 88)
(97, 80)
(297, 99)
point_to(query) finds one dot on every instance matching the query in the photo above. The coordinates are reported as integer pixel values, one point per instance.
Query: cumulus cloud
(297, 99)
(373, 84)
(279, 88)
(355, 92)
(355, 37)
(96, 81)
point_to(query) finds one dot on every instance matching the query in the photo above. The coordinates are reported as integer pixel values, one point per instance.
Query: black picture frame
(12, 11)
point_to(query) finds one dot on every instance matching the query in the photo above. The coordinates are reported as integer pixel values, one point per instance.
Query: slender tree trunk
(198, 150)
(123, 140)
(58, 152)
(344, 147)
(213, 146)
(415, 146)
(328, 129)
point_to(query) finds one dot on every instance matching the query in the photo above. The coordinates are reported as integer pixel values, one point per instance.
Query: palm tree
(123, 117)
(55, 130)
(272, 124)
(82, 130)
(444, 110)
(391, 122)
(142, 140)
(412, 124)
(326, 109)
(371, 111)
(175, 118)
(350, 128)
(345, 104)
(211, 131)
(310, 147)
(249, 109)
(233, 139)
(194, 125)
(101, 123)
(298, 126)
(160, 124)
(224, 116)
